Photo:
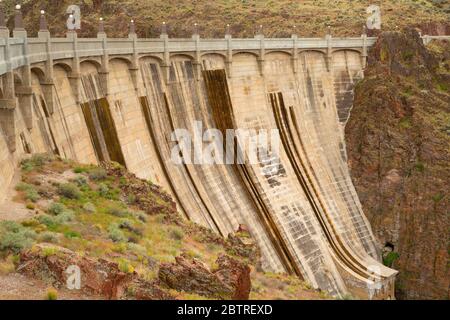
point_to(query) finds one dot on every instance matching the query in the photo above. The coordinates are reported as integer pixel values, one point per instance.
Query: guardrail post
(19, 31)
(262, 50)
(43, 29)
(197, 62)
(294, 50)
(166, 55)
(229, 59)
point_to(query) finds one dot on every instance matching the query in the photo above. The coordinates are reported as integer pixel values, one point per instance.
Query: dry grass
(277, 16)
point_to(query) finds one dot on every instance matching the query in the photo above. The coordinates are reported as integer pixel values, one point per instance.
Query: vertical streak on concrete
(104, 70)
(294, 53)
(166, 58)
(229, 59)
(75, 76)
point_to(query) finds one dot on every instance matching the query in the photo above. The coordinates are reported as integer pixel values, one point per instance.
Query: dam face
(123, 103)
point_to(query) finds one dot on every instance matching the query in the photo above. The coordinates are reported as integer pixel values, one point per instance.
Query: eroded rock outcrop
(231, 280)
(242, 244)
(398, 146)
(50, 263)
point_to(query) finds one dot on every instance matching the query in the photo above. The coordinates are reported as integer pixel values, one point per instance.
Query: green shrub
(115, 234)
(137, 249)
(66, 216)
(69, 190)
(80, 181)
(37, 160)
(30, 206)
(79, 169)
(420, 166)
(30, 223)
(389, 259)
(61, 213)
(22, 186)
(442, 87)
(49, 251)
(141, 216)
(405, 122)
(98, 174)
(89, 207)
(30, 192)
(72, 234)
(117, 211)
(131, 199)
(51, 294)
(126, 224)
(15, 237)
(438, 197)
(32, 195)
(48, 220)
(56, 208)
(176, 234)
(125, 266)
(129, 225)
(103, 190)
(48, 236)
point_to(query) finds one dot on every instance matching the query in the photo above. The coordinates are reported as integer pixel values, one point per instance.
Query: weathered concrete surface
(306, 219)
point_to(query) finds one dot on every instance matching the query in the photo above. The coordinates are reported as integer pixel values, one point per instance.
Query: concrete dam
(101, 99)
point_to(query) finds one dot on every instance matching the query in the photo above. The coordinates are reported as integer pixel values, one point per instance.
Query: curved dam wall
(305, 216)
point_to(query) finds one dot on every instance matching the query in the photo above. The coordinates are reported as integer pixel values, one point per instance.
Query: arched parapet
(245, 64)
(312, 60)
(93, 82)
(122, 58)
(214, 53)
(213, 60)
(356, 50)
(182, 65)
(312, 51)
(182, 56)
(278, 62)
(67, 65)
(254, 53)
(39, 71)
(272, 51)
(155, 57)
(93, 61)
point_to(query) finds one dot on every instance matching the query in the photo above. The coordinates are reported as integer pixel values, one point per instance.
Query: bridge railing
(16, 52)
(21, 50)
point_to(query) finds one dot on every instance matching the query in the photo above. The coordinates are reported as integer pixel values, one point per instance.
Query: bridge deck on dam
(101, 99)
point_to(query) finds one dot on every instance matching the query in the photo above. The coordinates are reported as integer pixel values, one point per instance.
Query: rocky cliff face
(398, 143)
